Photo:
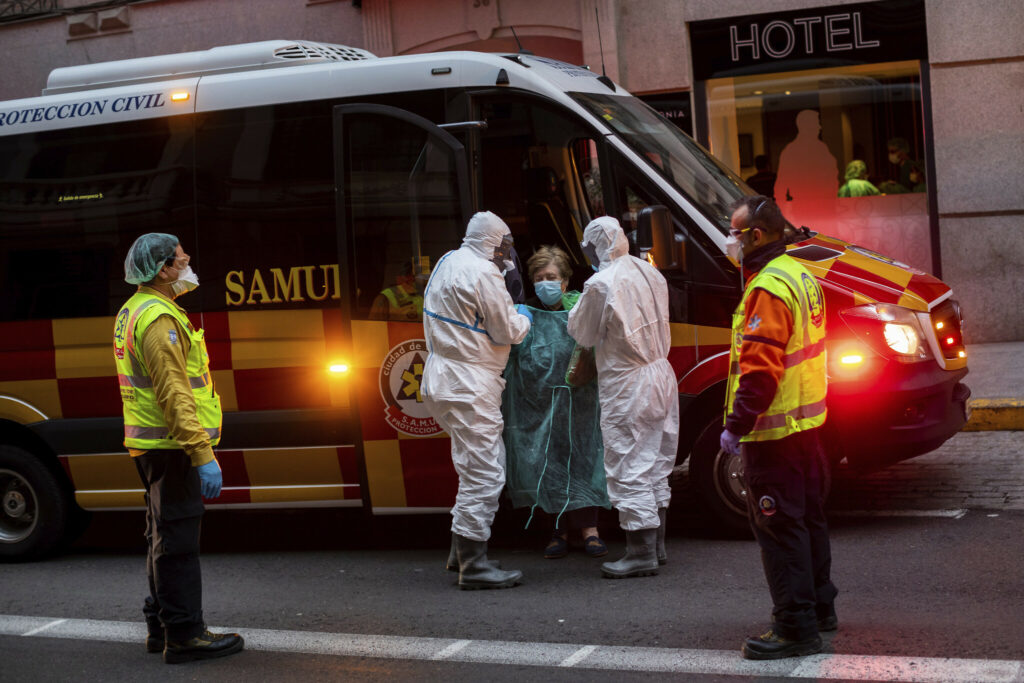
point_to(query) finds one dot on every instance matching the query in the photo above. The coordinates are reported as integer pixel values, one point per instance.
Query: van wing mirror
(654, 233)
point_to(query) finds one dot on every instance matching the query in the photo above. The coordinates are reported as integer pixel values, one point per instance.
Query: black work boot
(771, 645)
(663, 516)
(154, 643)
(204, 646)
(641, 558)
(476, 571)
(453, 559)
(154, 636)
(827, 619)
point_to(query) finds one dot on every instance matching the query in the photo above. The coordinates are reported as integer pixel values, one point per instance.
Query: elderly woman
(552, 431)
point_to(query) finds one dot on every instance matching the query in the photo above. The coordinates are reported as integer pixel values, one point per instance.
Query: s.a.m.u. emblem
(120, 332)
(400, 376)
(814, 302)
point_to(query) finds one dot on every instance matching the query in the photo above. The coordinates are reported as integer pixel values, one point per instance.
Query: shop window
(841, 150)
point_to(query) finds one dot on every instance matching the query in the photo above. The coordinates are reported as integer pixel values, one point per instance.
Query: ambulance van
(315, 186)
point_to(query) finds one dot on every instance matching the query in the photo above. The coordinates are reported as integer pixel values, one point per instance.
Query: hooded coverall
(470, 323)
(623, 313)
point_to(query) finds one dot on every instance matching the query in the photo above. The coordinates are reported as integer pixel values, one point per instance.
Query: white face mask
(548, 291)
(186, 282)
(734, 249)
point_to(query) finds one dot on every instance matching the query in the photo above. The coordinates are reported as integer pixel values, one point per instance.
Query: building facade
(917, 100)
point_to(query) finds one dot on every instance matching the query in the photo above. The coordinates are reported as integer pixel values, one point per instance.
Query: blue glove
(729, 442)
(521, 309)
(210, 479)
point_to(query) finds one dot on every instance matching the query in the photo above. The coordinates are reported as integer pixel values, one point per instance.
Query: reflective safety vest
(799, 402)
(144, 424)
(403, 304)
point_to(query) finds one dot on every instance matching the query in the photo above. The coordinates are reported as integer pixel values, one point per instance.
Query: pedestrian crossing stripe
(846, 667)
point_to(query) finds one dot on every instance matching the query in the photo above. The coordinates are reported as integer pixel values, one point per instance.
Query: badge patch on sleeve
(755, 322)
(767, 505)
(173, 336)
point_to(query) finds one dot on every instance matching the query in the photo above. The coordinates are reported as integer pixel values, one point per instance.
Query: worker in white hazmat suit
(623, 313)
(470, 322)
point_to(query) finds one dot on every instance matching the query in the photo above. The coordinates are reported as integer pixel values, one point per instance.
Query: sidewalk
(996, 379)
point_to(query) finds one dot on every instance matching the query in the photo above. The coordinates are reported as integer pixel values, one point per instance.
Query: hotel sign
(887, 31)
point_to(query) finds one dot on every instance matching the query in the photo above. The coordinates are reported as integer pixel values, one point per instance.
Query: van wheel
(717, 479)
(33, 506)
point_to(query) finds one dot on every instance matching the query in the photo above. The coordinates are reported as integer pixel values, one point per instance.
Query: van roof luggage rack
(268, 54)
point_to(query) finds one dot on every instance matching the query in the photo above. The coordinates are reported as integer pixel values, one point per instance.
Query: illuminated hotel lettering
(280, 285)
(778, 39)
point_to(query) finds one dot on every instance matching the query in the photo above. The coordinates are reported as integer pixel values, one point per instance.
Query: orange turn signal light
(179, 96)
(337, 368)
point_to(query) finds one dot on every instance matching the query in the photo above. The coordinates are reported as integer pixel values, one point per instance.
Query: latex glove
(210, 479)
(521, 309)
(730, 442)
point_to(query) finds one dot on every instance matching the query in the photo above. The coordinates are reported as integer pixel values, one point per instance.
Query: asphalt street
(926, 556)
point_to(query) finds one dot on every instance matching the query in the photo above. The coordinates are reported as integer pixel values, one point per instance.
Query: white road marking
(44, 627)
(953, 514)
(578, 656)
(452, 649)
(602, 657)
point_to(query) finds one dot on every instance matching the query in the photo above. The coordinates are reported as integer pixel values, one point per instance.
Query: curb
(995, 414)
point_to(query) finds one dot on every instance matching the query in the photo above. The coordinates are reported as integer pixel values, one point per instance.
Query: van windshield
(696, 174)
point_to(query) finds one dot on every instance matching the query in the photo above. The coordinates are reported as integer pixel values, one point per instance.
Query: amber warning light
(337, 368)
(179, 96)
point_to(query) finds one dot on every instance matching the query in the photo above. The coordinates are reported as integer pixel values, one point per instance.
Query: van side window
(402, 211)
(73, 201)
(265, 181)
(700, 289)
(539, 170)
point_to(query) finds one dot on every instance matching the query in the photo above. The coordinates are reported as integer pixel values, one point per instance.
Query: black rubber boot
(773, 646)
(663, 516)
(641, 558)
(453, 559)
(154, 636)
(204, 646)
(475, 571)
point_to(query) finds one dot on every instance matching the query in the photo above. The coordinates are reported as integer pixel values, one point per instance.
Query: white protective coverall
(470, 322)
(623, 313)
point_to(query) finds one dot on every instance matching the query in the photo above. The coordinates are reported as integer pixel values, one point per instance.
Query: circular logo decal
(814, 302)
(120, 332)
(767, 505)
(400, 376)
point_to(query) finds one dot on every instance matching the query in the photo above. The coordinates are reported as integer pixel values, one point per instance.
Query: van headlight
(890, 330)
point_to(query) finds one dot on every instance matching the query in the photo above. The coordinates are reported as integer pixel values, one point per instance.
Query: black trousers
(785, 502)
(174, 509)
(580, 518)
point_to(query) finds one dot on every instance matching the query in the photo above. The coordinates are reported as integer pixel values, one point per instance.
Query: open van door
(402, 202)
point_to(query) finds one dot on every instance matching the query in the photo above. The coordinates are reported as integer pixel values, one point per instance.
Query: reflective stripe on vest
(144, 424)
(799, 402)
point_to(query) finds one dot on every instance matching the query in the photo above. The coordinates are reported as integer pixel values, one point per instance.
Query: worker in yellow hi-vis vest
(775, 405)
(172, 420)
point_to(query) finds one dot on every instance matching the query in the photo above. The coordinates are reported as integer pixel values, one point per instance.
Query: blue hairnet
(147, 256)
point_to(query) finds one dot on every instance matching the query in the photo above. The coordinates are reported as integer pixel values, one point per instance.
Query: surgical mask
(503, 255)
(734, 249)
(548, 291)
(894, 158)
(186, 282)
(590, 251)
